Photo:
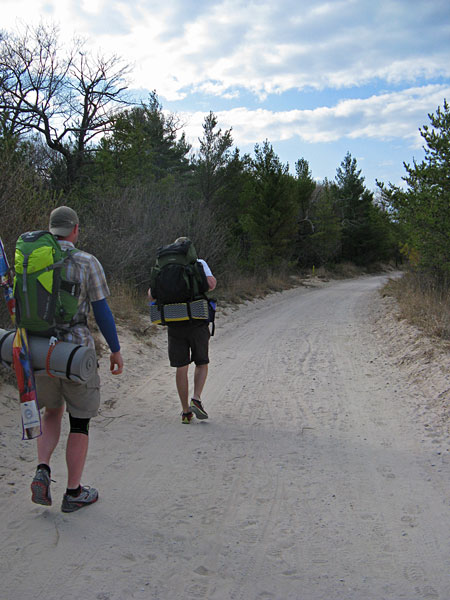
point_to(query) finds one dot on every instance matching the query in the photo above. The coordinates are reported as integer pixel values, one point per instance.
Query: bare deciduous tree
(68, 96)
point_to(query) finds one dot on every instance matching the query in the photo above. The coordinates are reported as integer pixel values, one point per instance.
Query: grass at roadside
(128, 305)
(422, 303)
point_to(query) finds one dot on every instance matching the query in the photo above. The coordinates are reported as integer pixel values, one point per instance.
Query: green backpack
(45, 299)
(177, 275)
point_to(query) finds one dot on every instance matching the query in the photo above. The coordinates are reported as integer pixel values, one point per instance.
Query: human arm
(107, 326)
(212, 281)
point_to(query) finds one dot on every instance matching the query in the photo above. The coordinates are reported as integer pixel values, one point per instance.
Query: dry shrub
(237, 287)
(422, 303)
(130, 308)
(344, 270)
(348, 270)
(320, 273)
(281, 278)
(24, 204)
(124, 232)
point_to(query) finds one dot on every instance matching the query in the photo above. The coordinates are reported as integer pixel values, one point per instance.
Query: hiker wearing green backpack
(80, 275)
(178, 284)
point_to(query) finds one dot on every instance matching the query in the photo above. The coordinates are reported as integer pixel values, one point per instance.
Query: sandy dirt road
(314, 479)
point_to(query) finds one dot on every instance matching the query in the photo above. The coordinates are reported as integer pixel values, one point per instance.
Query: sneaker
(40, 488)
(187, 417)
(198, 409)
(87, 495)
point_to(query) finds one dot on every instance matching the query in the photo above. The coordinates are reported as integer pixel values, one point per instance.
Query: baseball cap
(62, 220)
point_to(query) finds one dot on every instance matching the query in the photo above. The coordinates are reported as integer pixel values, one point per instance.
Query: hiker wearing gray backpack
(179, 281)
(84, 273)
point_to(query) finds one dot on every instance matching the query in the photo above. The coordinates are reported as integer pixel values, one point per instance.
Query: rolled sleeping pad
(64, 360)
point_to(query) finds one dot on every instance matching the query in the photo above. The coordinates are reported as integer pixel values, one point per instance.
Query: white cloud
(260, 46)
(226, 48)
(383, 117)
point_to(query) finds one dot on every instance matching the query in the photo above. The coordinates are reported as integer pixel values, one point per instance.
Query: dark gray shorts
(188, 343)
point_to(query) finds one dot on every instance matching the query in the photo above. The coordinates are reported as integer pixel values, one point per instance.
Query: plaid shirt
(85, 269)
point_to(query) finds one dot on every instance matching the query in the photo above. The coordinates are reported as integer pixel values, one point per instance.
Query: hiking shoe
(88, 495)
(198, 409)
(187, 417)
(40, 488)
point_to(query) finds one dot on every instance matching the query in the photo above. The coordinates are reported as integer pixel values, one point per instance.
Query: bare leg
(76, 452)
(182, 382)
(51, 430)
(200, 375)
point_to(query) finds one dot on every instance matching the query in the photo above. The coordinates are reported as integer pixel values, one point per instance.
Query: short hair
(180, 240)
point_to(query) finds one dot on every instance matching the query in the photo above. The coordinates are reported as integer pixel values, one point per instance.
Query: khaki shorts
(82, 399)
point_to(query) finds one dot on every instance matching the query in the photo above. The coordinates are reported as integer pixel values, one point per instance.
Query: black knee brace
(79, 425)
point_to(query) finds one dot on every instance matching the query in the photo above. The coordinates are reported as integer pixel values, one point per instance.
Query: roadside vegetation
(422, 211)
(422, 303)
(70, 134)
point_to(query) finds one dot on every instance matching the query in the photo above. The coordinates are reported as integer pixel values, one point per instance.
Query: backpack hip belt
(181, 311)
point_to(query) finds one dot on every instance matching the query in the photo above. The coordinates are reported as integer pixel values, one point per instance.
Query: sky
(317, 79)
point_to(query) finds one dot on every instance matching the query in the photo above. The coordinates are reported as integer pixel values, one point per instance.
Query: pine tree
(362, 224)
(213, 159)
(424, 207)
(143, 147)
(269, 209)
(304, 187)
